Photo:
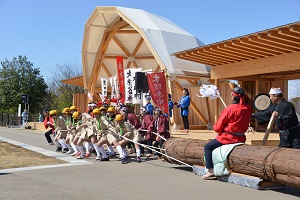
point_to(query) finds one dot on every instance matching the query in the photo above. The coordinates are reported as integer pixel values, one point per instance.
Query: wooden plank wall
(205, 105)
(80, 101)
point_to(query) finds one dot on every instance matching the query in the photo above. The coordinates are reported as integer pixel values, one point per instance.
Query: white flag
(130, 84)
(104, 86)
(113, 88)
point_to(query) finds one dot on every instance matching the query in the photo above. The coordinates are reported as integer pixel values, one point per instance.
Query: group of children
(113, 127)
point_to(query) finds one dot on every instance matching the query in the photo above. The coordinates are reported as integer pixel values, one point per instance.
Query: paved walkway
(150, 179)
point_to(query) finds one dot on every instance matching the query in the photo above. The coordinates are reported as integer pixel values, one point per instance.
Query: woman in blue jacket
(184, 105)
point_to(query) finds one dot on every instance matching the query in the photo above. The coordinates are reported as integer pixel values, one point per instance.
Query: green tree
(18, 77)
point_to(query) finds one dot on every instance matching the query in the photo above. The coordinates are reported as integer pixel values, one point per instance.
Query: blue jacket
(171, 106)
(185, 102)
(149, 107)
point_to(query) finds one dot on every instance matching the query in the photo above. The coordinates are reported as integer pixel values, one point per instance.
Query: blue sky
(51, 32)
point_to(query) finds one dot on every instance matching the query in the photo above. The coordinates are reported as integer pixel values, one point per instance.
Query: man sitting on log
(285, 118)
(231, 127)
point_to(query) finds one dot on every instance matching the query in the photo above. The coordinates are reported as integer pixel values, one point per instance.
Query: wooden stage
(252, 138)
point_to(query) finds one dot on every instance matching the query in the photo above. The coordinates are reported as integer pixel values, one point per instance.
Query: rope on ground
(146, 146)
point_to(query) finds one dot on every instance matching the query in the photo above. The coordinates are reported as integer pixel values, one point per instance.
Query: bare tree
(62, 94)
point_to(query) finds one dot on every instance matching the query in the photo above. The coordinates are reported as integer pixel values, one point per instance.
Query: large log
(279, 165)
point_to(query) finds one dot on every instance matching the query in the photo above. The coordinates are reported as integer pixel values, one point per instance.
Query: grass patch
(13, 156)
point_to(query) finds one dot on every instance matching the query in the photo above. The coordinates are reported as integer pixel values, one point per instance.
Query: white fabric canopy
(161, 38)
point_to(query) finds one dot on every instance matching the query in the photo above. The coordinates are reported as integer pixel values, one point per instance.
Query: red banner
(121, 78)
(158, 90)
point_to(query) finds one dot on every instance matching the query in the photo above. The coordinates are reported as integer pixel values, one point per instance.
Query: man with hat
(170, 105)
(161, 124)
(146, 129)
(60, 130)
(285, 118)
(148, 105)
(128, 131)
(108, 135)
(89, 109)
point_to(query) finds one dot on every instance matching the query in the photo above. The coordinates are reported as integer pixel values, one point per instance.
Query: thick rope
(266, 159)
(146, 146)
(155, 134)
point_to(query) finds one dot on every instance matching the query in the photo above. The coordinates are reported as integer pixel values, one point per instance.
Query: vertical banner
(113, 87)
(104, 87)
(120, 67)
(158, 90)
(128, 85)
(130, 92)
(115, 79)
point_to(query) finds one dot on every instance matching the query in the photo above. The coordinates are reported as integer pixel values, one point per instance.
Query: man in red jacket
(161, 124)
(231, 127)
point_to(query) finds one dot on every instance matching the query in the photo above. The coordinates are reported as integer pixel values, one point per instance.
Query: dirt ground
(13, 156)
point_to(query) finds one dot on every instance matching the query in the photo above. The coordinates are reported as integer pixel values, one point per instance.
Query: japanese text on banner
(158, 91)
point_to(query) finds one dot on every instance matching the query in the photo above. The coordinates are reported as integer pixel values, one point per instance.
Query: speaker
(141, 82)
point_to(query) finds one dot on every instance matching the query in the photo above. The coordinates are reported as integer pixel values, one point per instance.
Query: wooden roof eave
(272, 42)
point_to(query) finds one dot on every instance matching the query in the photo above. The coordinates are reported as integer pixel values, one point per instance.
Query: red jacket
(161, 125)
(51, 124)
(233, 121)
(134, 120)
(147, 124)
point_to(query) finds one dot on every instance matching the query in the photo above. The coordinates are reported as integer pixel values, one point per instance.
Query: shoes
(186, 130)
(65, 150)
(111, 155)
(104, 159)
(70, 151)
(76, 154)
(80, 157)
(87, 154)
(138, 159)
(51, 143)
(123, 160)
(209, 176)
(98, 157)
(108, 153)
(58, 149)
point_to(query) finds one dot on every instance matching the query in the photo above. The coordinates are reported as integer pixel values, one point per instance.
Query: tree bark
(279, 165)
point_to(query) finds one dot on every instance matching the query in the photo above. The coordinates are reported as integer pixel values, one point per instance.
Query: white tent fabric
(161, 39)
